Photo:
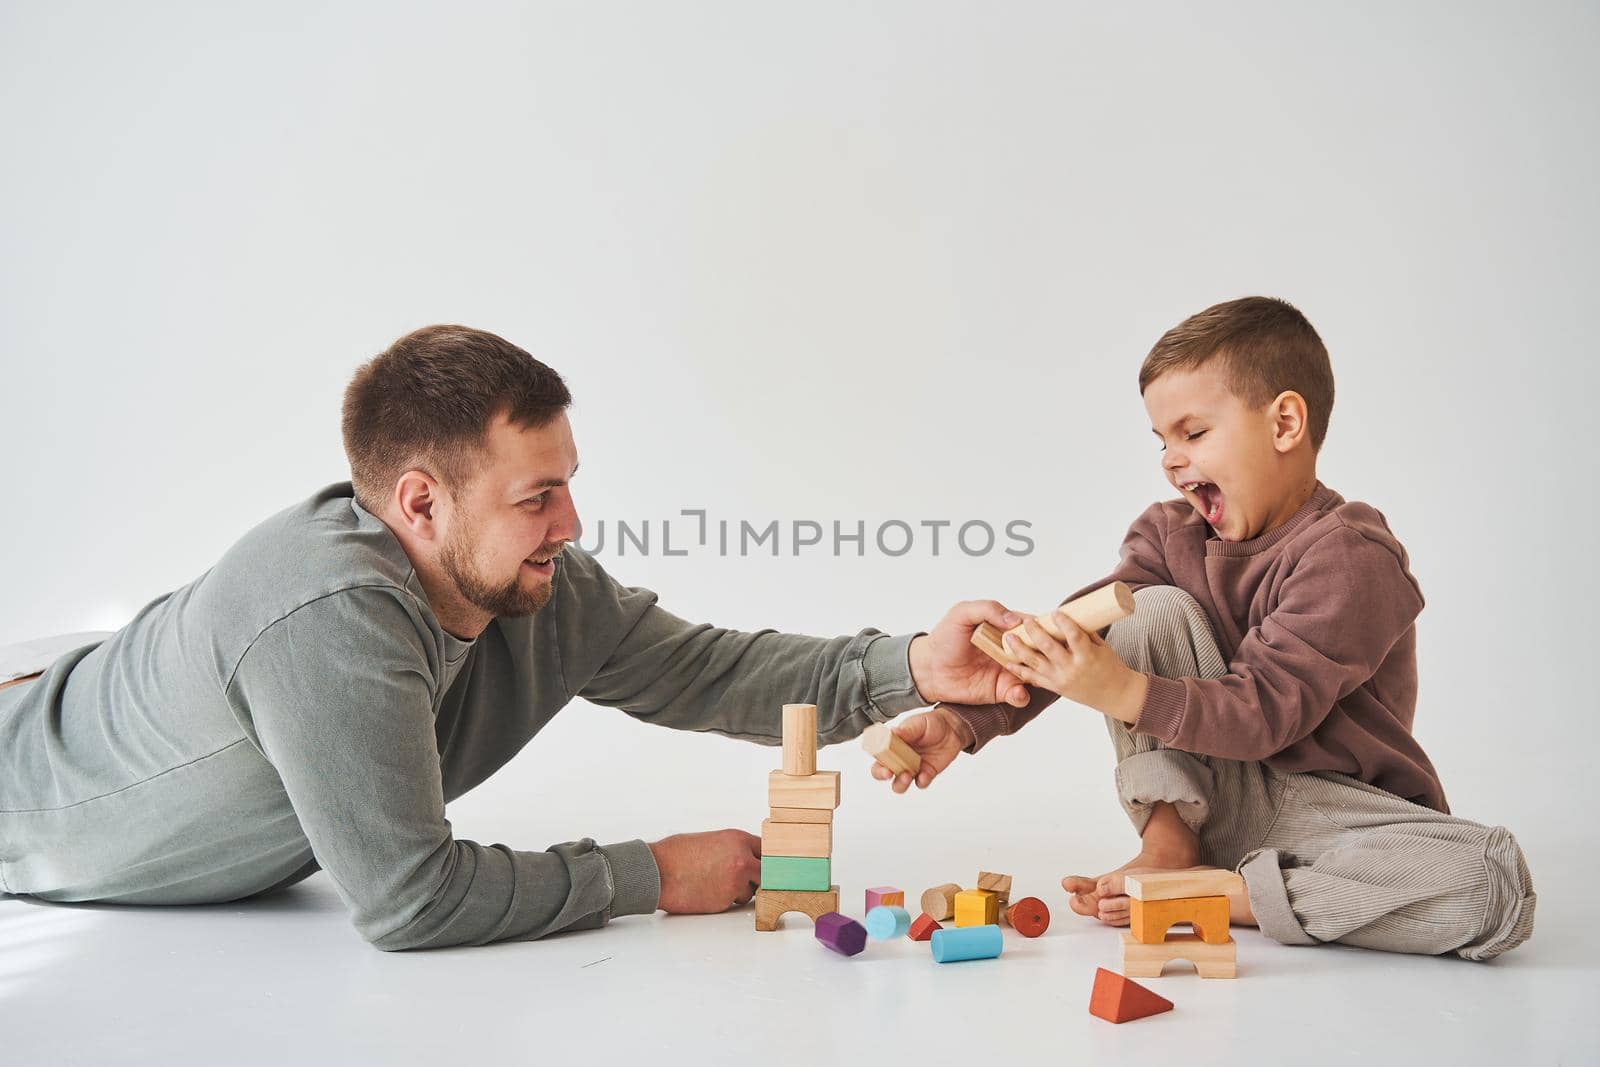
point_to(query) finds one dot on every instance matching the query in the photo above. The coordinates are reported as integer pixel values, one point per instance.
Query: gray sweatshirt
(298, 706)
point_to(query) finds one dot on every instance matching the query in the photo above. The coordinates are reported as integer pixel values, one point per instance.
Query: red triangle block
(923, 928)
(1119, 1000)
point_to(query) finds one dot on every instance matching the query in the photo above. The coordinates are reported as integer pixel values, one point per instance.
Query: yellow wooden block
(1149, 920)
(977, 907)
(796, 839)
(820, 790)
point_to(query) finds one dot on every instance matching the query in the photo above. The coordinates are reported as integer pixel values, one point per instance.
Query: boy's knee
(1159, 611)
(1510, 899)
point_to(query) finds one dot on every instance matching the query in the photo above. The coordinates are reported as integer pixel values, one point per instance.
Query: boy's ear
(1289, 427)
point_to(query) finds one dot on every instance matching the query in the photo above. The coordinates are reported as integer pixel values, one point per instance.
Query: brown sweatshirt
(1317, 622)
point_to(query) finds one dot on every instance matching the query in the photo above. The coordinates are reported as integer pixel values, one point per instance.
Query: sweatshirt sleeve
(1347, 602)
(1142, 562)
(620, 649)
(339, 697)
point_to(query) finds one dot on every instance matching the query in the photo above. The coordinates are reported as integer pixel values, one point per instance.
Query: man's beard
(506, 600)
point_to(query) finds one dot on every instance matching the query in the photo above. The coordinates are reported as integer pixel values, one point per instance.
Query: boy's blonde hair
(1266, 347)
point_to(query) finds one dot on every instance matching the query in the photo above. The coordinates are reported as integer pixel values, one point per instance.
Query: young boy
(1260, 697)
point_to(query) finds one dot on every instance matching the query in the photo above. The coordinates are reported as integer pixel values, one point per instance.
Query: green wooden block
(796, 872)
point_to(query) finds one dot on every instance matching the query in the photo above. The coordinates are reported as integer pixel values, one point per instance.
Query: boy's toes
(1081, 890)
(1110, 885)
(1114, 911)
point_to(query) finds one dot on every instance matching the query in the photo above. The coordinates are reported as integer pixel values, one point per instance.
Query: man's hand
(938, 736)
(1082, 668)
(706, 873)
(946, 667)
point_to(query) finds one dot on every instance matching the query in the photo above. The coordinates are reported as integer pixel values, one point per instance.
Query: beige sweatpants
(1324, 857)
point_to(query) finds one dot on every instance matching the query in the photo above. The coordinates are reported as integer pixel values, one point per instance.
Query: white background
(831, 262)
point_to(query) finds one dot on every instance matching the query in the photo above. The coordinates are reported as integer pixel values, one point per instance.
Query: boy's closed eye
(1187, 437)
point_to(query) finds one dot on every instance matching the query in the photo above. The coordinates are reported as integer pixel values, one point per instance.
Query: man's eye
(1191, 437)
(537, 501)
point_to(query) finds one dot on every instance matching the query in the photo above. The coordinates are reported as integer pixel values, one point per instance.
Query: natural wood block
(1171, 885)
(799, 739)
(844, 935)
(885, 746)
(1092, 611)
(923, 926)
(1121, 1000)
(811, 815)
(1149, 920)
(998, 884)
(1140, 960)
(796, 839)
(1028, 917)
(773, 904)
(882, 895)
(820, 790)
(940, 901)
(977, 907)
(796, 872)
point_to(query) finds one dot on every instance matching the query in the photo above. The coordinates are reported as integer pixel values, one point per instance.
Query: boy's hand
(938, 737)
(706, 873)
(946, 667)
(1082, 667)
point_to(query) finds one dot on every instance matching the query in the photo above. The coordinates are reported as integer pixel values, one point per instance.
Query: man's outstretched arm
(339, 698)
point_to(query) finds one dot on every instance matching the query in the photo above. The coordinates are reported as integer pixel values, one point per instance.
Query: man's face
(1217, 452)
(513, 518)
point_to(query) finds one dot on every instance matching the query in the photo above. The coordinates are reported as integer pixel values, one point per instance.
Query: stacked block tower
(797, 835)
(1157, 901)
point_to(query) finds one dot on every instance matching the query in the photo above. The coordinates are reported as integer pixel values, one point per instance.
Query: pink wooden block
(886, 895)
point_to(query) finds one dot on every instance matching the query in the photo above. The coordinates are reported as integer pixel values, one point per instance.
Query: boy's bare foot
(1168, 845)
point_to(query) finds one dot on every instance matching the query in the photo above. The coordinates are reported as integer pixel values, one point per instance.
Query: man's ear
(417, 499)
(1289, 426)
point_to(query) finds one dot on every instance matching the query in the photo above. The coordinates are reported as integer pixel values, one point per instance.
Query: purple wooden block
(841, 933)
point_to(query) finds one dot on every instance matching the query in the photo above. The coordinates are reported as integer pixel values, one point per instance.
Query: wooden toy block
(796, 839)
(1141, 960)
(773, 904)
(1149, 920)
(815, 791)
(811, 815)
(1120, 1000)
(923, 926)
(1028, 917)
(1092, 611)
(1172, 885)
(885, 894)
(885, 746)
(998, 884)
(796, 872)
(799, 739)
(968, 943)
(840, 933)
(977, 907)
(939, 903)
(886, 922)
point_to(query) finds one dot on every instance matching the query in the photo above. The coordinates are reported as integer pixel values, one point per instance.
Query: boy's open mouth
(1210, 498)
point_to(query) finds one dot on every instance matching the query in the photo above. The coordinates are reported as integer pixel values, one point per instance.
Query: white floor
(285, 979)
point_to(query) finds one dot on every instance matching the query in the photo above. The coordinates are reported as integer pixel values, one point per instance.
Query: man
(355, 662)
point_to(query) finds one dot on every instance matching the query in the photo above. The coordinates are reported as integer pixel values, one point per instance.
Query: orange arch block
(1150, 919)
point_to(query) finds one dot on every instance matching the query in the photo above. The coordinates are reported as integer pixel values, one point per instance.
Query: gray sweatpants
(1324, 857)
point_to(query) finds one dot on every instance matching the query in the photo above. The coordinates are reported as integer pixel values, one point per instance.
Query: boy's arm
(1342, 609)
(1142, 563)
(338, 697)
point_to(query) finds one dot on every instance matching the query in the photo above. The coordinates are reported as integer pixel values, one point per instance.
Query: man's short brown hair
(426, 402)
(1266, 346)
